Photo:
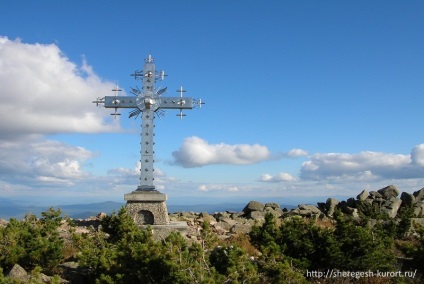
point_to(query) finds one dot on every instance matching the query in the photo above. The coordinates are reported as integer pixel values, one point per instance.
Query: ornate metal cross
(148, 102)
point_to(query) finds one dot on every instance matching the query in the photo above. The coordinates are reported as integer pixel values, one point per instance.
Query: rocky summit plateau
(388, 202)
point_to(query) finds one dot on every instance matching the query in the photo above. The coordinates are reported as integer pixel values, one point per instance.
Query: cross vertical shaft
(147, 152)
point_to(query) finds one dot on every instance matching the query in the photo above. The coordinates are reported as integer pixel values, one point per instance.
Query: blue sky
(303, 98)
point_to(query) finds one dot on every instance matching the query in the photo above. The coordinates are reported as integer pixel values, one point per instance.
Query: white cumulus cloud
(295, 153)
(365, 165)
(33, 160)
(196, 152)
(417, 155)
(281, 177)
(43, 92)
(218, 187)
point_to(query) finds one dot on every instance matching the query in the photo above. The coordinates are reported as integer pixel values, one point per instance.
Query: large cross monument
(146, 204)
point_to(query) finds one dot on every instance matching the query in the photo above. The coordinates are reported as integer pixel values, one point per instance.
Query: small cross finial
(149, 59)
(117, 90)
(181, 91)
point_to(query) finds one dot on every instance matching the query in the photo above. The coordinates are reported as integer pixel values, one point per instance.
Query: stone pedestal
(148, 207)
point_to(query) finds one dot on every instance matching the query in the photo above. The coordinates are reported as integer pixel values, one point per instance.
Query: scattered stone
(355, 214)
(375, 194)
(363, 195)
(331, 206)
(419, 195)
(419, 210)
(18, 273)
(392, 208)
(389, 192)
(70, 264)
(273, 205)
(223, 226)
(367, 201)
(241, 229)
(226, 224)
(407, 199)
(204, 214)
(3, 223)
(322, 206)
(221, 215)
(101, 215)
(276, 212)
(312, 208)
(351, 202)
(236, 215)
(345, 208)
(253, 206)
(306, 211)
(417, 221)
(257, 215)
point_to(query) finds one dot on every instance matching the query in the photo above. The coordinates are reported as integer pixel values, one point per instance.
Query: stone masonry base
(148, 212)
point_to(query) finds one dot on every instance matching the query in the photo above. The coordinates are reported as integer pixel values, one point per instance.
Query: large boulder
(206, 217)
(419, 210)
(331, 206)
(305, 210)
(312, 208)
(18, 273)
(419, 195)
(221, 215)
(276, 212)
(392, 207)
(375, 194)
(407, 199)
(257, 216)
(225, 226)
(345, 208)
(273, 205)
(351, 202)
(253, 206)
(363, 195)
(241, 228)
(389, 192)
(3, 223)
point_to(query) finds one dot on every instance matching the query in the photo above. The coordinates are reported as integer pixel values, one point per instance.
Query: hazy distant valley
(10, 209)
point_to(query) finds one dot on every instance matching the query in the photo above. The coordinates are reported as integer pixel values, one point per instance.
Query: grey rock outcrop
(375, 194)
(419, 210)
(3, 223)
(363, 195)
(419, 195)
(18, 273)
(253, 206)
(389, 192)
(408, 199)
(306, 211)
(273, 205)
(392, 207)
(257, 215)
(331, 206)
(385, 199)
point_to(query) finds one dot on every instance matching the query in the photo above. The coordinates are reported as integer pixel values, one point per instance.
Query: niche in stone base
(148, 213)
(144, 217)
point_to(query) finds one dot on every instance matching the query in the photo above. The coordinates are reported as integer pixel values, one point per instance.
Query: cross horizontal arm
(176, 103)
(120, 101)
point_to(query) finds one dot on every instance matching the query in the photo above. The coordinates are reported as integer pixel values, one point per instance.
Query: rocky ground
(226, 224)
